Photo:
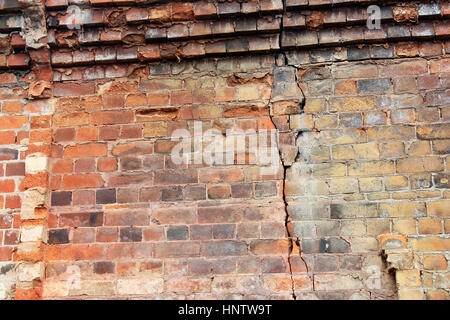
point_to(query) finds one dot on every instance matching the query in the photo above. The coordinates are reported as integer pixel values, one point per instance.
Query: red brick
(18, 60)
(83, 197)
(7, 78)
(6, 253)
(73, 89)
(15, 169)
(109, 133)
(182, 11)
(84, 165)
(64, 134)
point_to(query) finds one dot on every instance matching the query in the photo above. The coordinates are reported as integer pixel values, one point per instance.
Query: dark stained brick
(61, 198)
(95, 219)
(103, 267)
(130, 234)
(58, 236)
(177, 233)
(105, 196)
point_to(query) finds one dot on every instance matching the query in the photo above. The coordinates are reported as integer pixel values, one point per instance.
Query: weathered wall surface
(354, 205)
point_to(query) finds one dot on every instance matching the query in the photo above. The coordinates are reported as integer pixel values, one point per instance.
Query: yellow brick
(301, 121)
(427, 279)
(367, 151)
(405, 226)
(447, 225)
(396, 182)
(402, 209)
(391, 133)
(430, 244)
(439, 131)
(429, 194)
(392, 149)
(412, 165)
(329, 169)
(404, 195)
(156, 129)
(343, 152)
(345, 87)
(441, 146)
(326, 122)
(370, 184)
(376, 227)
(439, 208)
(438, 295)
(345, 136)
(434, 262)
(378, 196)
(371, 168)
(403, 116)
(353, 104)
(343, 185)
(248, 93)
(429, 226)
(354, 197)
(315, 105)
(411, 294)
(319, 154)
(408, 278)
(419, 148)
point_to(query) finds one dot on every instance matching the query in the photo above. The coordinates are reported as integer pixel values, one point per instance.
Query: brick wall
(371, 174)
(354, 205)
(14, 137)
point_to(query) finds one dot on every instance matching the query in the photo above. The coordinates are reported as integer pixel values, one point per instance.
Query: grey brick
(177, 233)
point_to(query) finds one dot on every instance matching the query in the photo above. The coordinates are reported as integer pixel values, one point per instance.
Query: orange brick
(87, 134)
(112, 117)
(107, 164)
(36, 180)
(7, 137)
(158, 99)
(71, 119)
(7, 186)
(136, 100)
(13, 122)
(12, 107)
(62, 166)
(80, 181)
(85, 150)
(12, 202)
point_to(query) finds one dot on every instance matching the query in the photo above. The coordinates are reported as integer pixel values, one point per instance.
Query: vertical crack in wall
(287, 99)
